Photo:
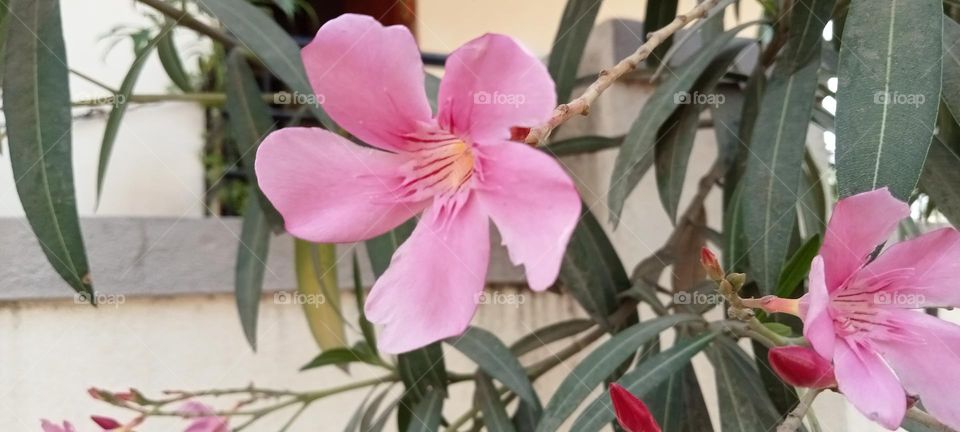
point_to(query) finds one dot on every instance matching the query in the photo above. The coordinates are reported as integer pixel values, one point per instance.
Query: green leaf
(422, 369)
(170, 60)
(657, 15)
(496, 360)
(380, 249)
(796, 269)
(121, 101)
(951, 66)
(812, 206)
(361, 352)
(737, 382)
(592, 271)
(778, 144)
(271, 45)
(598, 365)
(428, 413)
(318, 292)
(4, 24)
(575, 25)
(549, 334)
(772, 178)
(582, 144)
(370, 419)
(941, 174)
(779, 328)
(431, 85)
(641, 380)
(366, 327)
(671, 154)
(636, 155)
(354, 422)
(889, 92)
(494, 411)
(36, 105)
(250, 122)
(678, 404)
(251, 262)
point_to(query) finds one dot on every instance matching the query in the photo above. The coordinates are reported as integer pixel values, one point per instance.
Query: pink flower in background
(208, 422)
(857, 311)
(632, 414)
(49, 426)
(459, 169)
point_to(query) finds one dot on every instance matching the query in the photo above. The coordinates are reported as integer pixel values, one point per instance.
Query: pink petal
(867, 382)
(817, 323)
(492, 84)
(929, 268)
(534, 205)
(929, 365)
(369, 78)
(858, 225)
(49, 426)
(328, 189)
(430, 290)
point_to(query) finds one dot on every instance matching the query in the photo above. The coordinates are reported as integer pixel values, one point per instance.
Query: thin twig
(795, 418)
(94, 81)
(184, 19)
(581, 105)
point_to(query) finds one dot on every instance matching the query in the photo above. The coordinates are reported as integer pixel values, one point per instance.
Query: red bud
(802, 367)
(631, 413)
(106, 423)
(710, 263)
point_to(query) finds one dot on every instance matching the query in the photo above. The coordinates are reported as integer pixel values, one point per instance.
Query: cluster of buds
(728, 284)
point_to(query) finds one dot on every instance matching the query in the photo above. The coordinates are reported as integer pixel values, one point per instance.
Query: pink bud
(802, 367)
(106, 423)
(631, 412)
(710, 263)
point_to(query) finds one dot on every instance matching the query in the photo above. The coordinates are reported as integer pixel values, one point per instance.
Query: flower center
(441, 166)
(859, 305)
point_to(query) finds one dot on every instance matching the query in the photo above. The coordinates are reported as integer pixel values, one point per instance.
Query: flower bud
(710, 263)
(802, 367)
(106, 423)
(737, 280)
(631, 413)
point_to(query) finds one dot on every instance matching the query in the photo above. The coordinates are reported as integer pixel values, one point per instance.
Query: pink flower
(857, 312)
(203, 418)
(632, 414)
(458, 169)
(49, 426)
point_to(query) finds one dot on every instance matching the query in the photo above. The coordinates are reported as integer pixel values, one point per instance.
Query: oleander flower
(49, 426)
(858, 311)
(632, 414)
(457, 169)
(203, 418)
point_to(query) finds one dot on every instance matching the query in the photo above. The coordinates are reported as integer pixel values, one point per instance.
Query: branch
(795, 418)
(184, 19)
(581, 105)
(927, 420)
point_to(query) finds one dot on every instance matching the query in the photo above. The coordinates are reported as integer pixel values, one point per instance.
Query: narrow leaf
(889, 92)
(494, 412)
(599, 364)
(575, 25)
(582, 144)
(366, 327)
(170, 60)
(549, 334)
(738, 381)
(636, 153)
(428, 413)
(796, 269)
(121, 101)
(36, 106)
(672, 153)
(951, 66)
(641, 380)
(657, 15)
(361, 352)
(318, 292)
(380, 249)
(496, 360)
(251, 262)
(941, 174)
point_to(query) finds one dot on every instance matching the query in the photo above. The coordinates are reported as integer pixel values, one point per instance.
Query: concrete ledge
(169, 256)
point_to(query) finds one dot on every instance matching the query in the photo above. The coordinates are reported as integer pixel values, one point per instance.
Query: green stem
(184, 19)
(94, 81)
(927, 420)
(208, 99)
